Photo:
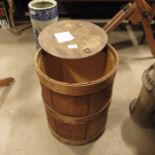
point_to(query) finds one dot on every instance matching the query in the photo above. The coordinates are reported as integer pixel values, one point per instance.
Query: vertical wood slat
(70, 105)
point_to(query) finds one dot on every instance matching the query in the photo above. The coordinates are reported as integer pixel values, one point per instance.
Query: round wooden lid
(73, 39)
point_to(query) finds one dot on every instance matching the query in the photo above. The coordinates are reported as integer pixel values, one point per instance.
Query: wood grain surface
(89, 38)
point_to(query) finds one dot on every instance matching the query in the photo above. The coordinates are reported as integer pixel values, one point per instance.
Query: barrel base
(79, 142)
(138, 116)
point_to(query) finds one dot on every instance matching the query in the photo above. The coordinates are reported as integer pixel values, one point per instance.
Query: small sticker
(63, 37)
(72, 46)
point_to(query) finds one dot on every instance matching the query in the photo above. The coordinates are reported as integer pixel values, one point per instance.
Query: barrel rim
(75, 85)
(30, 5)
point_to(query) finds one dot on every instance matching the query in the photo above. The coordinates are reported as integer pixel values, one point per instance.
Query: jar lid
(72, 39)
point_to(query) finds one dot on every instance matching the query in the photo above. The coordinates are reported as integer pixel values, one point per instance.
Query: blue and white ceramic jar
(42, 14)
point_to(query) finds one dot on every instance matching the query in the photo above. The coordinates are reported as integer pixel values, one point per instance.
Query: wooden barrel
(76, 68)
(77, 93)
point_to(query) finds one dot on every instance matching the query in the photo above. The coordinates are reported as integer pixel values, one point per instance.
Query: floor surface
(23, 125)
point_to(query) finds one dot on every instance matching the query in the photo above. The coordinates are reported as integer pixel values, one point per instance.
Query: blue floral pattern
(44, 15)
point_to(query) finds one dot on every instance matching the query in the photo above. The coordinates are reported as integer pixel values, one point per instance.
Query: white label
(72, 46)
(63, 37)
